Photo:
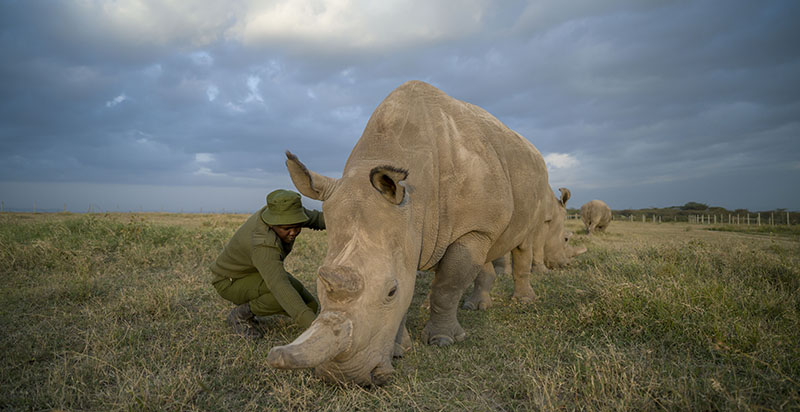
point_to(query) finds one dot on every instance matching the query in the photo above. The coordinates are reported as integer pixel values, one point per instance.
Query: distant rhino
(596, 215)
(434, 183)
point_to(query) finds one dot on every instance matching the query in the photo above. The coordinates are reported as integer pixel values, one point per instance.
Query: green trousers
(252, 289)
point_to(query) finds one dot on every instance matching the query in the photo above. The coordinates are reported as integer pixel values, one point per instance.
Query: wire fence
(756, 219)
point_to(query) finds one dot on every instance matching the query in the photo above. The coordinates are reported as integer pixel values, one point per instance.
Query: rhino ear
(386, 180)
(565, 194)
(310, 184)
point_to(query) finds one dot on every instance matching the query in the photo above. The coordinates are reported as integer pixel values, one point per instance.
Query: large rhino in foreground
(596, 215)
(434, 183)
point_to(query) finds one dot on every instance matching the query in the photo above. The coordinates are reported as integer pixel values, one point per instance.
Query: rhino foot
(440, 340)
(539, 268)
(479, 303)
(443, 338)
(526, 296)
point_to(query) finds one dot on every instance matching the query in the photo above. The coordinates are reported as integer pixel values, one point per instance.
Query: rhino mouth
(382, 373)
(355, 372)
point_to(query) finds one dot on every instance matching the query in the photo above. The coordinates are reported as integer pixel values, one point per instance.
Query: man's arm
(267, 260)
(316, 220)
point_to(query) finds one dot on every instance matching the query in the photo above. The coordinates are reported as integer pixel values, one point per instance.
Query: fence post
(787, 218)
(759, 218)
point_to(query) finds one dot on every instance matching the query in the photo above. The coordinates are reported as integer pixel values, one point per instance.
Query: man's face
(287, 233)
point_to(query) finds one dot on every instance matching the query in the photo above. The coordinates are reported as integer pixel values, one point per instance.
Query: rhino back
(595, 211)
(468, 172)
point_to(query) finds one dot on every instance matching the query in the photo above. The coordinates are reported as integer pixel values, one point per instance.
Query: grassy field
(115, 312)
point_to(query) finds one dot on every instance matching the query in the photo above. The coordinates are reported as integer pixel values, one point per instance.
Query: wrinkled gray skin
(433, 183)
(596, 215)
(556, 253)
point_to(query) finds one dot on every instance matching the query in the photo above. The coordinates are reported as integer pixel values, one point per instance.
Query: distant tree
(694, 206)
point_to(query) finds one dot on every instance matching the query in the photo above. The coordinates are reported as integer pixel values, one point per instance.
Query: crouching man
(250, 271)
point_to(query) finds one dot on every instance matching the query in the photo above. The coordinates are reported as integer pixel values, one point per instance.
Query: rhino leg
(480, 298)
(457, 268)
(426, 304)
(499, 265)
(521, 259)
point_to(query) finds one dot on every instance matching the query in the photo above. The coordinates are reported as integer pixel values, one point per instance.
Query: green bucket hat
(284, 208)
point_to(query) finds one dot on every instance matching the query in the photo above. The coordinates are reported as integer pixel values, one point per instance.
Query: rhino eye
(392, 292)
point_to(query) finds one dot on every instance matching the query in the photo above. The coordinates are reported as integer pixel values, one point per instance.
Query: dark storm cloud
(622, 98)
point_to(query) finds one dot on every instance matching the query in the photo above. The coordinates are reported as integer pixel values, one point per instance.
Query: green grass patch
(115, 312)
(792, 231)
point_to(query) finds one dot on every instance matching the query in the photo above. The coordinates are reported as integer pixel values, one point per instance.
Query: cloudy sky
(184, 105)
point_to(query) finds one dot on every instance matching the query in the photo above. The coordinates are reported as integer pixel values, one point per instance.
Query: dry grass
(114, 312)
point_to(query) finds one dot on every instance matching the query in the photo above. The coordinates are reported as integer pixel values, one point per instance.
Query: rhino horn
(578, 250)
(329, 335)
(341, 282)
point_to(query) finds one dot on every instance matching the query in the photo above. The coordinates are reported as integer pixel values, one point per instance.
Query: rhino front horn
(329, 335)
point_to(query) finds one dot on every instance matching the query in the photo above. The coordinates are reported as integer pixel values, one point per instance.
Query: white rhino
(433, 183)
(557, 253)
(596, 215)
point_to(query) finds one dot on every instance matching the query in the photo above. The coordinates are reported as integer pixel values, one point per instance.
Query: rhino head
(557, 250)
(366, 280)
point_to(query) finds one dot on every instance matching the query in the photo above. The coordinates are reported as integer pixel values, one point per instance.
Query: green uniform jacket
(255, 247)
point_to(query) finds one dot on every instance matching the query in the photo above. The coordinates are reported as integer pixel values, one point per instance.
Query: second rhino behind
(557, 253)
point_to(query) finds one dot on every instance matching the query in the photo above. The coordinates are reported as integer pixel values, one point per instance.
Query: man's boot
(242, 321)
